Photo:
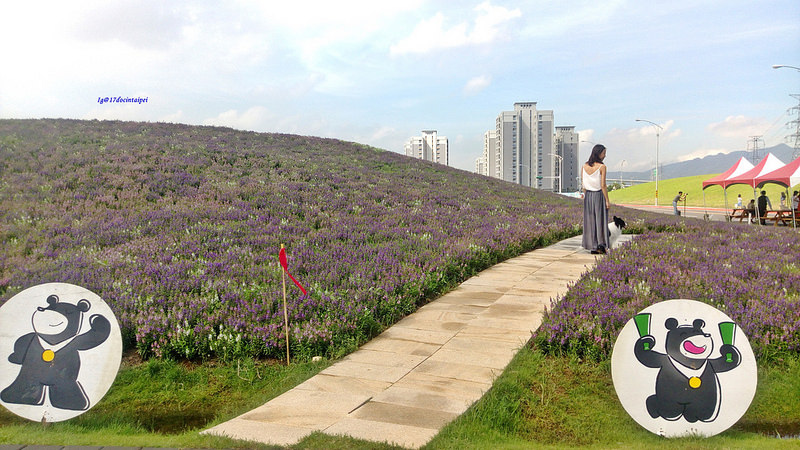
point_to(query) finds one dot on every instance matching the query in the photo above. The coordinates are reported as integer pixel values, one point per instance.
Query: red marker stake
(285, 264)
(285, 320)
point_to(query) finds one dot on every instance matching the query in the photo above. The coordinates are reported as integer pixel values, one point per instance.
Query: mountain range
(711, 165)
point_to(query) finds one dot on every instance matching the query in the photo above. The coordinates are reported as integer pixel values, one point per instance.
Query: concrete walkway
(403, 386)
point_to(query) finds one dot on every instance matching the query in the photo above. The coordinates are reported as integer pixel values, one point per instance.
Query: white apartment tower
(546, 174)
(567, 141)
(525, 146)
(430, 147)
(487, 163)
(480, 165)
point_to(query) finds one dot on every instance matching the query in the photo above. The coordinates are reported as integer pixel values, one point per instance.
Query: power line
(773, 133)
(794, 138)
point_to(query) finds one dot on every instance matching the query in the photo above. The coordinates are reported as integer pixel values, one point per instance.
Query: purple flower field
(751, 273)
(178, 228)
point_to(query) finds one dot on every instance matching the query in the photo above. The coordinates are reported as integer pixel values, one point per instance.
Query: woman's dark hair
(595, 156)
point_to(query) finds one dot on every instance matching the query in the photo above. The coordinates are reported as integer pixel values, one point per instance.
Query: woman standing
(595, 202)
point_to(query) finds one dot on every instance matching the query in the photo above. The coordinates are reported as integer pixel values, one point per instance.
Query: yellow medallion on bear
(694, 382)
(48, 355)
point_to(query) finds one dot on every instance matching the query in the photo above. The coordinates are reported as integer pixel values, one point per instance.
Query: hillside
(178, 228)
(712, 164)
(711, 197)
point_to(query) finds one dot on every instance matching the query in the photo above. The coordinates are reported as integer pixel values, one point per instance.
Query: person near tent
(764, 205)
(751, 210)
(796, 200)
(783, 200)
(739, 204)
(675, 201)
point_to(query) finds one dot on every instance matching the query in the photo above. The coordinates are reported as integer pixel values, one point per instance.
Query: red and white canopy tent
(741, 166)
(769, 164)
(786, 176)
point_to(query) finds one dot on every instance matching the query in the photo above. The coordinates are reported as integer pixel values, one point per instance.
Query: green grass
(560, 402)
(538, 402)
(166, 404)
(644, 194)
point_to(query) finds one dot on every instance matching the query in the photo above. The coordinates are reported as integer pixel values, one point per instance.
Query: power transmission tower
(753, 146)
(794, 138)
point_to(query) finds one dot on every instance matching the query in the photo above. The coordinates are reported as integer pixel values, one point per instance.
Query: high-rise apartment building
(546, 175)
(526, 148)
(524, 142)
(487, 163)
(567, 141)
(480, 165)
(430, 147)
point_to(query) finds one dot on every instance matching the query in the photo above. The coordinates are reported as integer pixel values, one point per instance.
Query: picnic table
(781, 216)
(739, 213)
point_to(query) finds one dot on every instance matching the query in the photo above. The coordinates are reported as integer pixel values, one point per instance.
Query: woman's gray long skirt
(595, 220)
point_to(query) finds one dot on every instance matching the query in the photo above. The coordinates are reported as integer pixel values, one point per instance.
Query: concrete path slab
(403, 386)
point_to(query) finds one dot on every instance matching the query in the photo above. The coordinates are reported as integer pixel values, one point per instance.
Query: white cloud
(382, 133)
(140, 24)
(702, 153)
(586, 135)
(477, 84)
(738, 127)
(553, 18)
(637, 145)
(429, 35)
(432, 35)
(176, 117)
(490, 23)
(648, 129)
(321, 33)
(254, 119)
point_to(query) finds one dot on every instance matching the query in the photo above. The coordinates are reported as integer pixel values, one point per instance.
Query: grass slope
(644, 194)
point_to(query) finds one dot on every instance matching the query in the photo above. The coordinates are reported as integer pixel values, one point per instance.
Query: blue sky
(380, 72)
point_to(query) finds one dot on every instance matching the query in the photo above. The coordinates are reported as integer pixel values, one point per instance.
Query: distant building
(430, 147)
(480, 165)
(524, 142)
(546, 174)
(525, 147)
(567, 148)
(487, 163)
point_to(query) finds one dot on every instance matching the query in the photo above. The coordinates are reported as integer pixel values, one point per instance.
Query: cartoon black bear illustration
(687, 384)
(49, 356)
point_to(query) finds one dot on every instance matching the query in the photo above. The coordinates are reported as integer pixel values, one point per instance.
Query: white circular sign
(682, 367)
(60, 350)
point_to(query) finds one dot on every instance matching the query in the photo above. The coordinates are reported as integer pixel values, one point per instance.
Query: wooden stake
(285, 316)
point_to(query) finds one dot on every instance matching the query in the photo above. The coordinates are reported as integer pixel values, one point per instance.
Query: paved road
(717, 214)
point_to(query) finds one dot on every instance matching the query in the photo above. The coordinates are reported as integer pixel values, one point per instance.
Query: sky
(379, 73)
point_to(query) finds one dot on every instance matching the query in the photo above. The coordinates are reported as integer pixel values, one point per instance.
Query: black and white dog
(615, 230)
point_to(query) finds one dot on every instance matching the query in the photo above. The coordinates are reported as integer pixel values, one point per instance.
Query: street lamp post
(560, 163)
(778, 66)
(621, 164)
(658, 133)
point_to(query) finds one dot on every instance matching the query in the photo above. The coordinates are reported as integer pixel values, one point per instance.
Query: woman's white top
(592, 182)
